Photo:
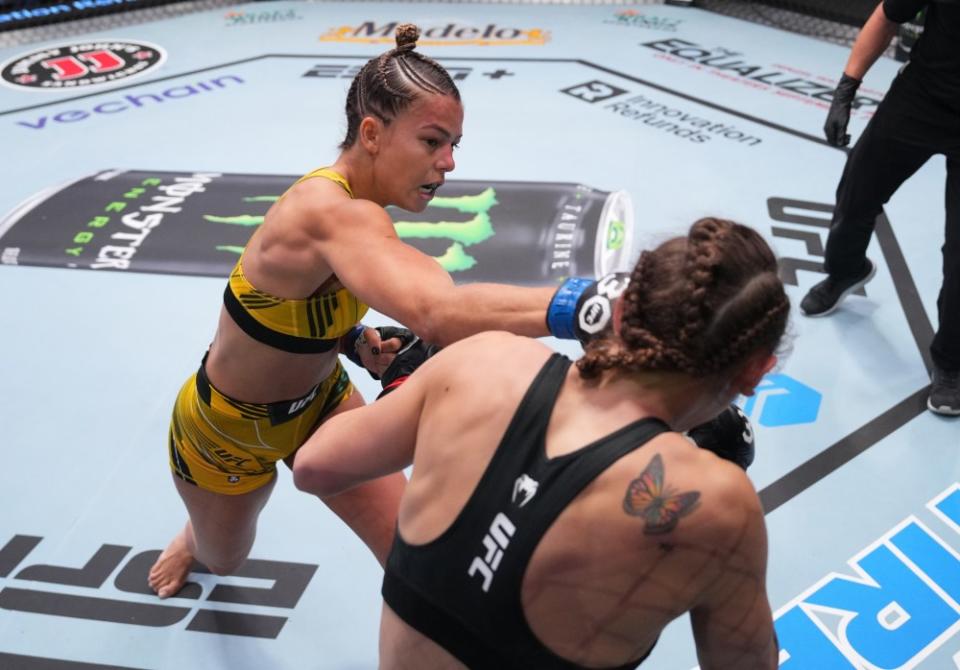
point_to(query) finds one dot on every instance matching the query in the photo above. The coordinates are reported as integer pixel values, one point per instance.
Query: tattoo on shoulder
(658, 505)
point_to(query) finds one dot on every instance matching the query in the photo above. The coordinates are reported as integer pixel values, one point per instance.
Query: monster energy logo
(461, 234)
(616, 235)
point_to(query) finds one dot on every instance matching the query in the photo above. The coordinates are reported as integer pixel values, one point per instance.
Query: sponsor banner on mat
(197, 223)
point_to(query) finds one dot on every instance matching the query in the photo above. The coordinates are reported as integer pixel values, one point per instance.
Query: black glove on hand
(835, 127)
(412, 354)
(729, 436)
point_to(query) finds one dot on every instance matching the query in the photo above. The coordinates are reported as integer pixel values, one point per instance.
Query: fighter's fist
(729, 435)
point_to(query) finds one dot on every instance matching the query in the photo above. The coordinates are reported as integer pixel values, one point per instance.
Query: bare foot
(169, 573)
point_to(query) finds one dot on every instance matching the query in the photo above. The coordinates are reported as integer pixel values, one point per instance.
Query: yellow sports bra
(302, 326)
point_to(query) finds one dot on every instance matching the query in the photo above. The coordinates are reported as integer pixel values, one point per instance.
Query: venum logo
(593, 91)
(38, 591)
(81, 65)
(524, 488)
(441, 35)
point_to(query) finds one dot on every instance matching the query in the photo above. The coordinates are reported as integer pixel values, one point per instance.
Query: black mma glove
(835, 127)
(582, 308)
(412, 354)
(352, 341)
(729, 436)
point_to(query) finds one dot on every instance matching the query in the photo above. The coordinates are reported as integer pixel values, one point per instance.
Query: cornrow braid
(758, 304)
(700, 304)
(703, 257)
(746, 341)
(382, 62)
(410, 73)
(391, 82)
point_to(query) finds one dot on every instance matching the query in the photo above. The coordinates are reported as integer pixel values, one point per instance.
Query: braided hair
(700, 304)
(389, 83)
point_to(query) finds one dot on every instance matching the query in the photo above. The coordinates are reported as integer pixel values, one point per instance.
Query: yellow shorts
(227, 446)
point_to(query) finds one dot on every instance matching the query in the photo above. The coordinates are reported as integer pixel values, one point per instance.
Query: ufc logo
(804, 213)
(598, 309)
(495, 541)
(303, 402)
(593, 91)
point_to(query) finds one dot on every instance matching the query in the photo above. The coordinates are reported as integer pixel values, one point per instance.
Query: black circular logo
(81, 65)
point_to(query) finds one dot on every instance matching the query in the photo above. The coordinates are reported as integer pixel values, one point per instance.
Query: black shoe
(945, 392)
(825, 297)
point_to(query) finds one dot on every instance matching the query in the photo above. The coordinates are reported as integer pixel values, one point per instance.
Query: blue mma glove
(582, 308)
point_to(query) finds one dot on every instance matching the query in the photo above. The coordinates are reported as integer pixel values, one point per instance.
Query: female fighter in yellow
(325, 252)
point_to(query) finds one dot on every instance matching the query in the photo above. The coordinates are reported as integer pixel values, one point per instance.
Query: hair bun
(407, 35)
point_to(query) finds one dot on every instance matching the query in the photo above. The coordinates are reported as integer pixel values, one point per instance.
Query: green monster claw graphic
(245, 219)
(461, 233)
(231, 248)
(242, 220)
(468, 204)
(455, 259)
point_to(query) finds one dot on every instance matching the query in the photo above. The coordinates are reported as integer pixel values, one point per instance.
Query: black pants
(907, 129)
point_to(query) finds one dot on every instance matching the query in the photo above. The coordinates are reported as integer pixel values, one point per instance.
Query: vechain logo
(81, 65)
(441, 35)
(783, 401)
(130, 101)
(593, 91)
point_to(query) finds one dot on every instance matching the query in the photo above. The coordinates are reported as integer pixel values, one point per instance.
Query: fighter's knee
(311, 479)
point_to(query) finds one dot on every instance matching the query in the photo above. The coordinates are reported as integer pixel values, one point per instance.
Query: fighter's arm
(876, 34)
(733, 624)
(368, 442)
(405, 284)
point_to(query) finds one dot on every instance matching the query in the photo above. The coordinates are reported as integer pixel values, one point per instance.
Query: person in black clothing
(919, 117)
(553, 519)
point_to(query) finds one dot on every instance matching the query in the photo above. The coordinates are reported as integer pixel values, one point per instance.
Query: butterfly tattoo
(659, 507)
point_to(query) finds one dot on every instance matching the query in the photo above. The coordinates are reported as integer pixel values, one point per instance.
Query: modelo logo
(441, 35)
(80, 65)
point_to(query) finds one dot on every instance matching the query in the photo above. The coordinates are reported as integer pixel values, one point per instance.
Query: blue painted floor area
(688, 112)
